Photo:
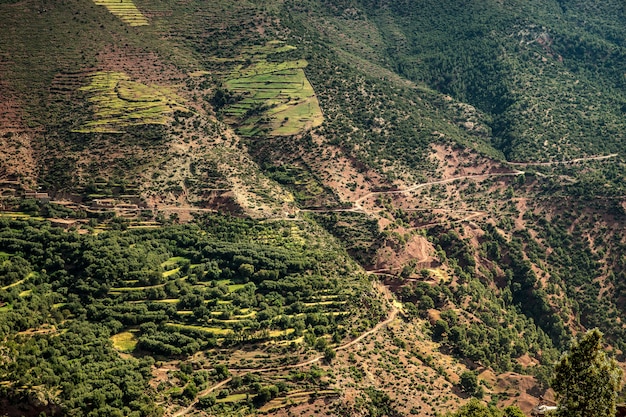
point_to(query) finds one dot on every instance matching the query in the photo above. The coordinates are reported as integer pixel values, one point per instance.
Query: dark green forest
(180, 289)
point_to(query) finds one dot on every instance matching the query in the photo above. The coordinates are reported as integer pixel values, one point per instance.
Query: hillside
(305, 207)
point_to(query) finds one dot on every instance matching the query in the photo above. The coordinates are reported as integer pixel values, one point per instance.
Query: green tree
(586, 380)
(469, 382)
(475, 408)
(207, 401)
(221, 371)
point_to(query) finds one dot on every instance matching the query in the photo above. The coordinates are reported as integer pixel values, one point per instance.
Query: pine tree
(586, 380)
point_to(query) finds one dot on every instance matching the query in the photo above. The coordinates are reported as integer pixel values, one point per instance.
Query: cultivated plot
(277, 99)
(125, 10)
(119, 103)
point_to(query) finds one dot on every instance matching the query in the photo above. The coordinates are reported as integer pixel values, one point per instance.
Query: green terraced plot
(233, 398)
(125, 341)
(120, 103)
(15, 284)
(280, 333)
(231, 287)
(125, 10)
(235, 287)
(214, 330)
(278, 99)
(170, 272)
(173, 261)
(17, 215)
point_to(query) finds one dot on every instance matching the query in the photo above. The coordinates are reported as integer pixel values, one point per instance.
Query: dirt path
(201, 394)
(445, 181)
(392, 315)
(358, 207)
(571, 161)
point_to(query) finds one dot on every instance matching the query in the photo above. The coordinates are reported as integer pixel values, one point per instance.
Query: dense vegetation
(178, 290)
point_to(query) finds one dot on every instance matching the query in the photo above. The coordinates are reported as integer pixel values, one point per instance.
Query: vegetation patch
(120, 103)
(276, 99)
(233, 398)
(125, 341)
(213, 330)
(125, 10)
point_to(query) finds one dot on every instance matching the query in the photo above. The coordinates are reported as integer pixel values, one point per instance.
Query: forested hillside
(307, 207)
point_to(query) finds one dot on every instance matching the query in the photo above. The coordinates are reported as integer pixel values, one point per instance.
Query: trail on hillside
(570, 161)
(393, 313)
(358, 207)
(201, 394)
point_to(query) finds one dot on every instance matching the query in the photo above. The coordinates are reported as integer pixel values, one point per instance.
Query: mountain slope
(468, 155)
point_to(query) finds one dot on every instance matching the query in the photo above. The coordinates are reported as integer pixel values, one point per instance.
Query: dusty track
(571, 161)
(358, 207)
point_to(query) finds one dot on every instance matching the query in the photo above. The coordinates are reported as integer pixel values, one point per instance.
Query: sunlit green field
(120, 103)
(125, 10)
(277, 98)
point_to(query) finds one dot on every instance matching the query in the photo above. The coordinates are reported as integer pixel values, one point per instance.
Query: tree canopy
(587, 381)
(475, 408)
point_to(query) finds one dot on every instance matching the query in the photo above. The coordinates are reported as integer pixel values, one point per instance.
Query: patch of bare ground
(393, 256)
(454, 161)
(17, 160)
(44, 329)
(517, 389)
(522, 208)
(406, 365)
(142, 66)
(11, 114)
(160, 373)
(348, 177)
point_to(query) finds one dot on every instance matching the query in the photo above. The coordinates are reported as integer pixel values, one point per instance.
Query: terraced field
(125, 341)
(119, 103)
(125, 10)
(277, 98)
(212, 310)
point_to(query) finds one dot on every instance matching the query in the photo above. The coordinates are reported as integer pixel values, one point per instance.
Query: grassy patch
(125, 10)
(15, 284)
(125, 341)
(235, 287)
(213, 330)
(277, 99)
(324, 303)
(126, 289)
(168, 301)
(233, 398)
(175, 260)
(17, 215)
(170, 272)
(120, 103)
(280, 333)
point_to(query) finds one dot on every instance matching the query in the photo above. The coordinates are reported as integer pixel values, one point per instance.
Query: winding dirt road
(358, 207)
(571, 161)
